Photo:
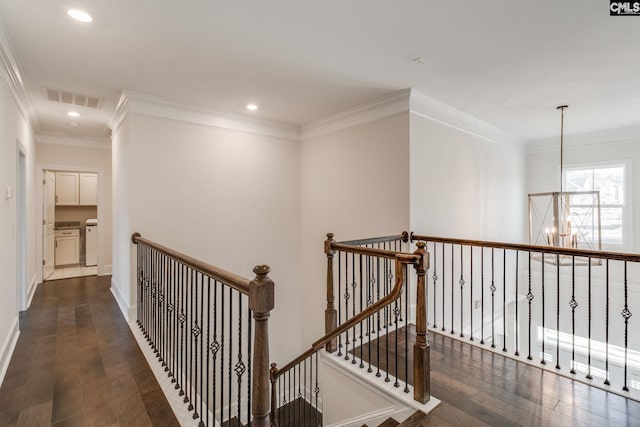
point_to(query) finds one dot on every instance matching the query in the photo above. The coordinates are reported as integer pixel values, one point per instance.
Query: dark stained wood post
(330, 314)
(421, 350)
(261, 302)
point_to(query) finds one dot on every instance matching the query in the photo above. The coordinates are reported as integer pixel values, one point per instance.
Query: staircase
(415, 420)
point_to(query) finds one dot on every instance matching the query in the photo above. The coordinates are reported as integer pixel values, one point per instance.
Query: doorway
(70, 223)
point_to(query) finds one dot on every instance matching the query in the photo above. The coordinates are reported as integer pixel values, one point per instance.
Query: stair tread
(389, 422)
(414, 420)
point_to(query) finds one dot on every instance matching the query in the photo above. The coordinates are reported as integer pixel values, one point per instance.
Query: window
(610, 180)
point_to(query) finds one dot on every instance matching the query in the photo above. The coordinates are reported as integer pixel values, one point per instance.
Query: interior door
(49, 216)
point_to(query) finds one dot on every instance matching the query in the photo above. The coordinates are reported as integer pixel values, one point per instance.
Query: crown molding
(609, 136)
(381, 108)
(432, 109)
(134, 102)
(10, 73)
(75, 142)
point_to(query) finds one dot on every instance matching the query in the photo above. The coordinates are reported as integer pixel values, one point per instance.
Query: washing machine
(91, 242)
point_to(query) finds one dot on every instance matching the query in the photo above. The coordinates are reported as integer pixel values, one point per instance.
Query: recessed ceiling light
(73, 114)
(79, 15)
(252, 107)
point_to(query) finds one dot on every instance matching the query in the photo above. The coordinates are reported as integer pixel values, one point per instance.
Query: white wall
(121, 228)
(543, 165)
(226, 197)
(81, 157)
(355, 184)
(14, 130)
(464, 186)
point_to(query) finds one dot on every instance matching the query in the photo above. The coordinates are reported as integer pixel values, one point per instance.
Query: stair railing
(209, 329)
(562, 309)
(295, 386)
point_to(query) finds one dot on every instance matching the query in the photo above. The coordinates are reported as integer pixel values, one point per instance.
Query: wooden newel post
(421, 350)
(330, 314)
(261, 302)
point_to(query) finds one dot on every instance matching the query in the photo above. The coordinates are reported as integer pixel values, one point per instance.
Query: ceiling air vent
(72, 98)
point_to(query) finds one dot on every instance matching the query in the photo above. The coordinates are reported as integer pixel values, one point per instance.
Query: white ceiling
(509, 63)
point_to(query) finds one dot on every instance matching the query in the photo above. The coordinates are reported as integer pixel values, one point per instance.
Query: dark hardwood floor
(76, 363)
(478, 387)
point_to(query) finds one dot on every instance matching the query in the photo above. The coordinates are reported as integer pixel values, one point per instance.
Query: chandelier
(565, 219)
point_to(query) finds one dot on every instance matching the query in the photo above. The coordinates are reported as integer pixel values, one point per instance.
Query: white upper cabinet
(88, 189)
(76, 189)
(66, 188)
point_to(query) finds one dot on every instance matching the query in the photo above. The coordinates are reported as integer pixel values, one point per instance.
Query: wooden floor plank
(77, 363)
(481, 387)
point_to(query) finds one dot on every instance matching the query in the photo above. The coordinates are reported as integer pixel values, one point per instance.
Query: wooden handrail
(619, 256)
(382, 253)
(400, 260)
(404, 237)
(230, 279)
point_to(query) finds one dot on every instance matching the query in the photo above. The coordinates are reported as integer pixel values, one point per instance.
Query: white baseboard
(105, 270)
(6, 351)
(124, 308)
(373, 418)
(32, 290)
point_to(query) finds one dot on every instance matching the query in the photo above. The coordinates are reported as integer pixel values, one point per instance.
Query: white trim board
(8, 346)
(129, 313)
(611, 136)
(74, 142)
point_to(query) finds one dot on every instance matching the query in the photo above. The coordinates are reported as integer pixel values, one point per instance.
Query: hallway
(77, 363)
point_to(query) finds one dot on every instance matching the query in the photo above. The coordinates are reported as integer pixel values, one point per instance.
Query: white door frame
(40, 206)
(21, 225)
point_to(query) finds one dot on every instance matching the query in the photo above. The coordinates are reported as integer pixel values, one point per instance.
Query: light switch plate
(9, 192)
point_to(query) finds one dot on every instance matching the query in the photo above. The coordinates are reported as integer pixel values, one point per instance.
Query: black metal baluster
(317, 393)
(240, 367)
(396, 313)
(471, 305)
(406, 327)
(544, 329)
(339, 305)
(138, 283)
(482, 295)
(189, 395)
(182, 318)
(249, 365)
(443, 283)
(435, 283)
(152, 304)
(626, 315)
(461, 283)
(206, 411)
(299, 395)
(504, 300)
(166, 301)
(370, 320)
(606, 368)
(353, 306)
(557, 311)
(386, 320)
(573, 304)
(230, 350)
(304, 394)
(493, 291)
(160, 309)
(589, 377)
(517, 353)
(378, 318)
(452, 288)
(222, 306)
(201, 376)
(530, 299)
(346, 303)
(361, 323)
